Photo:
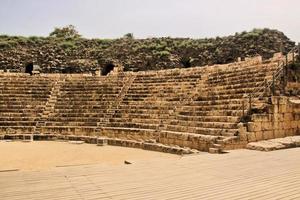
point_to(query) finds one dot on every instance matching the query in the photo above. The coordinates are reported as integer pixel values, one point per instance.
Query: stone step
(235, 113)
(211, 107)
(133, 125)
(71, 123)
(202, 130)
(213, 124)
(69, 130)
(232, 119)
(16, 129)
(17, 123)
(8, 118)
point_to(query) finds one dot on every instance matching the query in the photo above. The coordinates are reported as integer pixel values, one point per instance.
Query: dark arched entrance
(186, 62)
(107, 69)
(29, 68)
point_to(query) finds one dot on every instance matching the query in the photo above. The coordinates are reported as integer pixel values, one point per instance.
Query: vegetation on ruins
(128, 36)
(65, 32)
(65, 47)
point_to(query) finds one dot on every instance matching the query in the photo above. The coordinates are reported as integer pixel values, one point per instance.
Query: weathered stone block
(254, 126)
(260, 117)
(265, 126)
(268, 135)
(259, 135)
(102, 141)
(288, 116)
(290, 132)
(279, 133)
(251, 137)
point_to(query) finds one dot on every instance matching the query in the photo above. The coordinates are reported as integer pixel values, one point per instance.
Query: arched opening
(186, 62)
(107, 69)
(29, 68)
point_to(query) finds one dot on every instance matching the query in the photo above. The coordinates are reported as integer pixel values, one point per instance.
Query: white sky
(149, 18)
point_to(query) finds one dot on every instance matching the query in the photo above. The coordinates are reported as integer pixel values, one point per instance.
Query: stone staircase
(128, 80)
(49, 107)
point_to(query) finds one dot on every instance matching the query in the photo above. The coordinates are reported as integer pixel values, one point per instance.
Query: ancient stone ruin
(210, 108)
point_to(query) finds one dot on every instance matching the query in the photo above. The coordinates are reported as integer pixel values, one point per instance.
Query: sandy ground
(45, 155)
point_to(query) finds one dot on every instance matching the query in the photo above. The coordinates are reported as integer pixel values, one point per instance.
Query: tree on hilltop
(128, 36)
(65, 32)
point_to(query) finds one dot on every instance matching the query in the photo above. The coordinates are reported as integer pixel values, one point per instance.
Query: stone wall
(59, 55)
(281, 120)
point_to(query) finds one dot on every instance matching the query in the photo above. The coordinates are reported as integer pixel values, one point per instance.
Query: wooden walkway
(241, 174)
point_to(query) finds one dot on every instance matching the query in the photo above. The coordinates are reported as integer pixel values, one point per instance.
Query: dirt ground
(39, 155)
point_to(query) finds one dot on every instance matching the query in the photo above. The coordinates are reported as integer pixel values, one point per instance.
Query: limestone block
(287, 125)
(102, 141)
(282, 108)
(290, 108)
(265, 126)
(283, 101)
(290, 132)
(281, 125)
(275, 125)
(259, 135)
(260, 118)
(243, 136)
(171, 136)
(171, 141)
(184, 137)
(186, 144)
(279, 133)
(268, 135)
(251, 137)
(254, 126)
(295, 124)
(298, 124)
(288, 116)
(195, 145)
(277, 117)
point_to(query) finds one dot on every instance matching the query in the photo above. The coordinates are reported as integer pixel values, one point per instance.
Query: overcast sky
(149, 18)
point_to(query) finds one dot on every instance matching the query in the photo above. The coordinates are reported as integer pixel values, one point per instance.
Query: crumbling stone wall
(78, 55)
(281, 120)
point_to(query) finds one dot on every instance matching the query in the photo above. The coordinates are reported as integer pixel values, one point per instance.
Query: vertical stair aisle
(49, 107)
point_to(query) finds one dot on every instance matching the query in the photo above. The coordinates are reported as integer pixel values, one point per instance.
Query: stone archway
(107, 69)
(29, 68)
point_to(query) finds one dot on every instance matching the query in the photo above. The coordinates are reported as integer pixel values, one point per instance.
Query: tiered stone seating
(218, 109)
(150, 101)
(197, 107)
(22, 100)
(82, 103)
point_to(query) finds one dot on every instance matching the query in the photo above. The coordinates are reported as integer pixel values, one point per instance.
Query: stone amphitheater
(181, 111)
(212, 108)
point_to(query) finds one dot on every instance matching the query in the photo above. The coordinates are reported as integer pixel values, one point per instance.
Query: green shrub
(67, 45)
(35, 39)
(4, 44)
(128, 36)
(161, 54)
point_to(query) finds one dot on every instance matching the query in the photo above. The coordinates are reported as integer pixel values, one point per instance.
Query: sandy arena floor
(45, 155)
(238, 175)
